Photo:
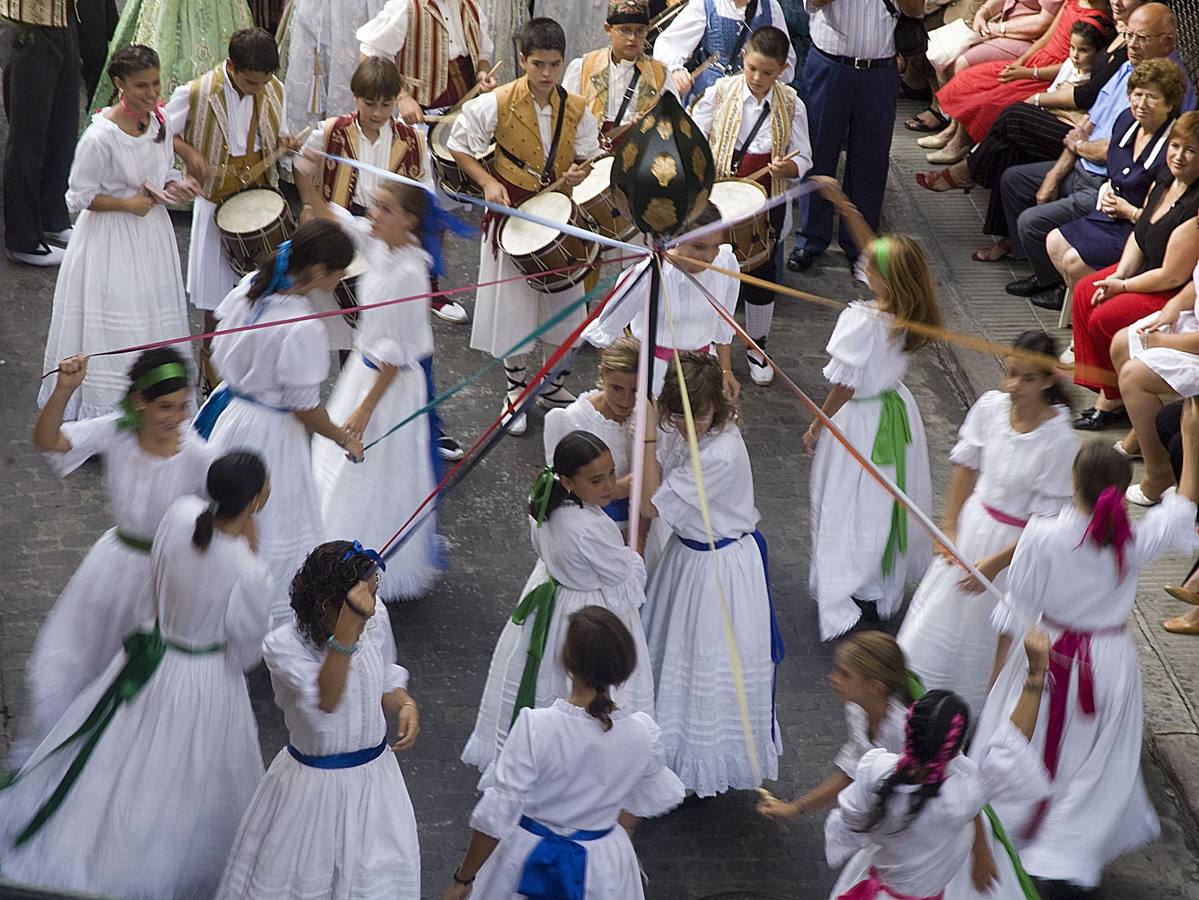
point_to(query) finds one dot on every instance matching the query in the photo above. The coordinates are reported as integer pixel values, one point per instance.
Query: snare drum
(744, 200)
(451, 178)
(538, 248)
(605, 203)
(345, 293)
(252, 224)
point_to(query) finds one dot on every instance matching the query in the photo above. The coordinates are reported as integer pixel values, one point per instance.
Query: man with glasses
(1030, 193)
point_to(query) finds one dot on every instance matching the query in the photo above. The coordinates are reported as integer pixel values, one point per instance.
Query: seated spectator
(1134, 160)
(974, 98)
(1159, 256)
(1169, 432)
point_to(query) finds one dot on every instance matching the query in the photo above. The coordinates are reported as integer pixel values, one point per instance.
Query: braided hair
(322, 583)
(934, 734)
(599, 652)
(129, 61)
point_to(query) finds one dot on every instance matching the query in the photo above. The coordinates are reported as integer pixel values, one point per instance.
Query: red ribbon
(873, 886)
(1003, 518)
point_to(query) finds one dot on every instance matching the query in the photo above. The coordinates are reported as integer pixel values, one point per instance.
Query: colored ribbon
(543, 489)
(131, 416)
(279, 280)
(666, 354)
(141, 545)
(873, 886)
(538, 603)
(348, 760)
(556, 868)
(618, 510)
(1003, 518)
(356, 549)
(890, 449)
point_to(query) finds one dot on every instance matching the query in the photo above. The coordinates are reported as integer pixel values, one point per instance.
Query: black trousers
(97, 22)
(1022, 134)
(41, 97)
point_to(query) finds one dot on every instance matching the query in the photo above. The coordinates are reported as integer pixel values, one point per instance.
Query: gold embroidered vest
(726, 124)
(516, 132)
(593, 82)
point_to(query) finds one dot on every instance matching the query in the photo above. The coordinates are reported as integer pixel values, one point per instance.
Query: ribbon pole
(644, 370)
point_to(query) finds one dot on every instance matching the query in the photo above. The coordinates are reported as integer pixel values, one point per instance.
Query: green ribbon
(543, 487)
(916, 689)
(539, 603)
(890, 449)
(131, 417)
(141, 545)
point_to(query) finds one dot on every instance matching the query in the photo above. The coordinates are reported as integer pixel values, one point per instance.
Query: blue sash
(206, 419)
(618, 510)
(339, 760)
(556, 869)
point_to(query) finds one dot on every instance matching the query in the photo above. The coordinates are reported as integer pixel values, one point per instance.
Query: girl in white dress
(271, 396)
(605, 413)
(686, 320)
(863, 544)
(150, 459)
(332, 818)
(582, 561)
(1078, 571)
(383, 386)
(907, 817)
(144, 802)
(120, 281)
(696, 703)
(570, 784)
(1012, 461)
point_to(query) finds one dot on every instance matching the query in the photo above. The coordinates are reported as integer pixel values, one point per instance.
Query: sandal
(942, 180)
(917, 123)
(993, 252)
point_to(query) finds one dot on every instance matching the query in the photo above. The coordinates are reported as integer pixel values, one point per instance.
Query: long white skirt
(209, 275)
(1098, 781)
(947, 634)
(108, 598)
(369, 501)
(696, 703)
(508, 665)
(289, 526)
(327, 834)
(612, 870)
(155, 809)
(119, 285)
(851, 519)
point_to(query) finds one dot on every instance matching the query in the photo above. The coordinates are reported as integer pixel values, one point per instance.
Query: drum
(252, 224)
(738, 199)
(605, 203)
(451, 178)
(345, 293)
(538, 248)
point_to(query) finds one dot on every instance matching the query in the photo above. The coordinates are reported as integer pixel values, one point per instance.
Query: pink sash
(1003, 518)
(666, 354)
(873, 887)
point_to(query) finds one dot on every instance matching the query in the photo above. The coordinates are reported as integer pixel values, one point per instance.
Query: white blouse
(583, 550)
(675, 45)
(140, 486)
(218, 595)
(888, 736)
(357, 721)
(728, 484)
(866, 353)
(281, 367)
(1021, 475)
(751, 109)
(474, 129)
(582, 415)
(112, 163)
(562, 769)
(385, 34)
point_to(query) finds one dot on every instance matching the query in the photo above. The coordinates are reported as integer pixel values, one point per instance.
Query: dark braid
(935, 731)
(322, 583)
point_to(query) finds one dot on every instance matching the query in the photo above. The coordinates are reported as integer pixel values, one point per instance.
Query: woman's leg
(1142, 389)
(1104, 321)
(1085, 354)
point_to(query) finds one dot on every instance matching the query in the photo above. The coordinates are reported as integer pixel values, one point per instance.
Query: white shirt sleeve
(92, 160)
(316, 142)
(87, 438)
(474, 129)
(498, 812)
(384, 35)
(587, 137)
(727, 290)
(573, 79)
(626, 303)
(177, 107)
(704, 111)
(676, 44)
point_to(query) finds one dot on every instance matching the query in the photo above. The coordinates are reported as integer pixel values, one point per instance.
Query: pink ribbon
(873, 886)
(1003, 518)
(666, 354)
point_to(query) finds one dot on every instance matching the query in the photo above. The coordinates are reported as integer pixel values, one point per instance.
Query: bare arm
(1002, 646)
(651, 472)
(1182, 251)
(961, 486)
(1027, 27)
(47, 431)
(1024, 716)
(1188, 484)
(317, 421)
(477, 852)
(356, 610)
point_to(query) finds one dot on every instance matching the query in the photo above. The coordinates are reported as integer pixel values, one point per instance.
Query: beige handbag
(947, 43)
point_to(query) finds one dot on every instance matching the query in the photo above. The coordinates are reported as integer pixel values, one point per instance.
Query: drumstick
(665, 16)
(554, 185)
(469, 94)
(754, 176)
(251, 174)
(699, 70)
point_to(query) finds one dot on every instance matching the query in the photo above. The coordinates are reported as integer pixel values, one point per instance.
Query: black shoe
(1025, 287)
(1098, 419)
(449, 449)
(800, 260)
(1054, 298)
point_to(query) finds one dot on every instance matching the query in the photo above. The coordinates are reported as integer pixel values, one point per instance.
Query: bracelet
(651, 440)
(1123, 285)
(1036, 73)
(356, 611)
(1036, 100)
(462, 881)
(338, 647)
(1034, 686)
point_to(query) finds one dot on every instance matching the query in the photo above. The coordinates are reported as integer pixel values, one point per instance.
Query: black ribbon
(628, 95)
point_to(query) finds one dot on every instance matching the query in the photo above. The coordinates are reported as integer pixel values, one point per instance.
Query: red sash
(873, 887)
(461, 79)
(750, 163)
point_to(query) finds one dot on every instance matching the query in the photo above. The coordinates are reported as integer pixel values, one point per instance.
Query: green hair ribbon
(543, 487)
(881, 248)
(131, 416)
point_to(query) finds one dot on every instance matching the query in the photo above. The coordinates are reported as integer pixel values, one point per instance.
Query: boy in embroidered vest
(439, 46)
(754, 121)
(620, 82)
(541, 133)
(226, 122)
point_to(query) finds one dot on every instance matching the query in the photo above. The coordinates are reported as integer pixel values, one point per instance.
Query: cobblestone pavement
(707, 849)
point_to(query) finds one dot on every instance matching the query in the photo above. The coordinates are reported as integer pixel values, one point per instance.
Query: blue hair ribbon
(356, 549)
(433, 224)
(279, 280)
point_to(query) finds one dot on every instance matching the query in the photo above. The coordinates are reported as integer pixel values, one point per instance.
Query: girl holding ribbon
(332, 817)
(150, 459)
(1011, 462)
(1078, 571)
(139, 788)
(582, 561)
(271, 396)
(698, 575)
(570, 783)
(862, 548)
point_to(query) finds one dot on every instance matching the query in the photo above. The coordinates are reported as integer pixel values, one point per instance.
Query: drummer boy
(619, 82)
(541, 133)
(226, 122)
(758, 126)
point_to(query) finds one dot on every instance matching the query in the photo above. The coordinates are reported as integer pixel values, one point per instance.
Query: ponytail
(314, 243)
(202, 535)
(602, 707)
(599, 652)
(234, 481)
(576, 450)
(1101, 476)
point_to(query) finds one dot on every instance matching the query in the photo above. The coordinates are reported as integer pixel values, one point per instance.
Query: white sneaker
(859, 269)
(1067, 357)
(451, 312)
(45, 257)
(760, 371)
(61, 237)
(520, 423)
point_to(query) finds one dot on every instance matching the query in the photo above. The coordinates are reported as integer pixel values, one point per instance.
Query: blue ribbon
(556, 869)
(279, 280)
(206, 419)
(618, 509)
(356, 549)
(339, 760)
(435, 223)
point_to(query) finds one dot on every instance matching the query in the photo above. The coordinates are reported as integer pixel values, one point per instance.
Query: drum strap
(548, 168)
(753, 133)
(628, 96)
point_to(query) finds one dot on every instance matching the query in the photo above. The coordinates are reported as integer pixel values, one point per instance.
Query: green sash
(890, 449)
(141, 545)
(538, 603)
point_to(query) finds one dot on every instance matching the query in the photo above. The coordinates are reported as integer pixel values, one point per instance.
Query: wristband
(338, 647)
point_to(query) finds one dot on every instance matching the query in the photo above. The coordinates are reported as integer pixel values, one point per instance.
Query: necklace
(141, 125)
